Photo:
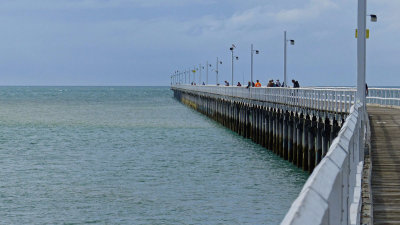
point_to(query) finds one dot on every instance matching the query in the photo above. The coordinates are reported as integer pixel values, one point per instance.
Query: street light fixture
(285, 56)
(252, 52)
(374, 18)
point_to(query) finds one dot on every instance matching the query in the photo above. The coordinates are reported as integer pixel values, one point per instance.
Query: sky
(142, 42)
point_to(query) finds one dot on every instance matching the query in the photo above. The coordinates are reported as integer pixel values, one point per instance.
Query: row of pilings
(299, 137)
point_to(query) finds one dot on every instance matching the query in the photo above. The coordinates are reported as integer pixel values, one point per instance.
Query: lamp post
(175, 77)
(194, 74)
(208, 65)
(236, 57)
(189, 76)
(200, 74)
(285, 41)
(252, 52)
(361, 49)
(217, 71)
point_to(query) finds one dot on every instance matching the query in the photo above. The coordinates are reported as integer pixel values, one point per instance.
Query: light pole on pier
(285, 41)
(175, 80)
(237, 58)
(361, 49)
(189, 75)
(200, 74)
(217, 71)
(208, 65)
(194, 74)
(252, 52)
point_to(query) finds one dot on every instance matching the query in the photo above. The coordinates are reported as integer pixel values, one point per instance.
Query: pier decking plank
(385, 146)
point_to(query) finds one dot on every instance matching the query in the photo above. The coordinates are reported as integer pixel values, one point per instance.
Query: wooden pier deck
(385, 146)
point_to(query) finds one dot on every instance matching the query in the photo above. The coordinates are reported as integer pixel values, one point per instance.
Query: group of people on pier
(271, 83)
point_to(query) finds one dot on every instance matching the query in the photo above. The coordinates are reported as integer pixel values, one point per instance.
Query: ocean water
(131, 155)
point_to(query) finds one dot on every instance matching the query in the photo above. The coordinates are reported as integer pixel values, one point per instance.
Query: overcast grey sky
(141, 42)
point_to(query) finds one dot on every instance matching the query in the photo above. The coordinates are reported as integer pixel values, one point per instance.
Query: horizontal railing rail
(332, 194)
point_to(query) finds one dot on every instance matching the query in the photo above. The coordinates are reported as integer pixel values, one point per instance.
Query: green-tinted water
(131, 155)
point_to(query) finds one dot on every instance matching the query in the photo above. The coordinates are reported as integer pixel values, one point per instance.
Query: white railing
(336, 99)
(384, 96)
(332, 193)
(324, 99)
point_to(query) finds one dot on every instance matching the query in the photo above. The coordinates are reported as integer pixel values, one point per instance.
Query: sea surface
(131, 155)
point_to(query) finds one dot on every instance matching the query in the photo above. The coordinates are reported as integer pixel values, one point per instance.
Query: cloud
(91, 4)
(258, 18)
(311, 11)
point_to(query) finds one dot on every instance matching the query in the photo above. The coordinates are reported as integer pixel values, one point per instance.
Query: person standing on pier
(258, 84)
(277, 83)
(248, 85)
(295, 84)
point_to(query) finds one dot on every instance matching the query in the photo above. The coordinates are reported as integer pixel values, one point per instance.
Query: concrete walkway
(385, 146)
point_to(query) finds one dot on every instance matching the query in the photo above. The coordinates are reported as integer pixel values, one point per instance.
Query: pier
(385, 143)
(297, 125)
(324, 131)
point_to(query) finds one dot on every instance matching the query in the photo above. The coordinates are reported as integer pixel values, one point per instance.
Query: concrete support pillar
(267, 126)
(295, 124)
(306, 127)
(335, 129)
(300, 140)
(311, 144)
(318, 141)
(257, 124)
(260, 123)
(280, 132)
(274, 132)
(285, 135)
(270, 130)
(263, 110)
(290, 137)
(326, 137)
(248, 123)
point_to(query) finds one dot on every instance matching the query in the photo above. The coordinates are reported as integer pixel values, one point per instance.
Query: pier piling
(301, 137)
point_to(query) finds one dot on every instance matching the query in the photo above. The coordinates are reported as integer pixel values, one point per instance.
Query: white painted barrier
(336, 99)
(332, 193)
(322, 99)
(384, 96)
